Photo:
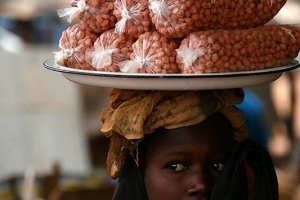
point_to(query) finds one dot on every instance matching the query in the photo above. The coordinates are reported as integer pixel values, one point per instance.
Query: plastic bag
(176, 19)
(238, 50)
(152, 53)
(110, 49)
(173, 18)
(96, 15)
(74, 3)
(133, 17)
(73, 44)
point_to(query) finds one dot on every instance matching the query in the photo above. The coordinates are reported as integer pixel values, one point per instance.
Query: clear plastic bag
(110, 49)
(74, 3)
(133, 17)
(173, 18)
(152, 53)
(96, 15)
(176, 19)
(73, 44)
(238, 50)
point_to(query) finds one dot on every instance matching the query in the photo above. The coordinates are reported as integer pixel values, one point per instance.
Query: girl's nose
(200, 184)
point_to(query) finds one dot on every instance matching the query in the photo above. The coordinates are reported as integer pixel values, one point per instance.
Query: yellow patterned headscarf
(134, 114)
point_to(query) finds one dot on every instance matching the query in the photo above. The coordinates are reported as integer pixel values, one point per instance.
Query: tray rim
(51, 65)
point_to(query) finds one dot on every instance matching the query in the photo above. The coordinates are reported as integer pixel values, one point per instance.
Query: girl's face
(184, 163)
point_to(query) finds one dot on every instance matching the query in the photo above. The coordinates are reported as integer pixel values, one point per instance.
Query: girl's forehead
(212, 132)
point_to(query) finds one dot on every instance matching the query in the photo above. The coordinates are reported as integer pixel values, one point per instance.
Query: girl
(184, 145)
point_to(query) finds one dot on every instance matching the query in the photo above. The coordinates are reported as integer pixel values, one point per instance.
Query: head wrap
(134, 114)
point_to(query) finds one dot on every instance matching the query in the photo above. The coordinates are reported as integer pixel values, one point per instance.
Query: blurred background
(50, 143)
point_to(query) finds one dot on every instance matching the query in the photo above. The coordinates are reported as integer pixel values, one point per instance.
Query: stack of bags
(172, 36)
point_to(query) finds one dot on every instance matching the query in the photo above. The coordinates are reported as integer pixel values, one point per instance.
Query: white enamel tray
(171, 81)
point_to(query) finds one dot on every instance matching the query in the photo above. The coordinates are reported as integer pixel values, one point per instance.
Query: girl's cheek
(164, 185)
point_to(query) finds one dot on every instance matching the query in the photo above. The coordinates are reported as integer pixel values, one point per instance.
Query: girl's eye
(217, 167)
(177, 167)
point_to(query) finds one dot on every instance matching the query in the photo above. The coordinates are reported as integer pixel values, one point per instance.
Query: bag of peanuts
(73, 44)
(96, 15)
(238, 50)
(152, 53)
(176, 19)
(173, 18)
(133, 17)
(110, 49)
